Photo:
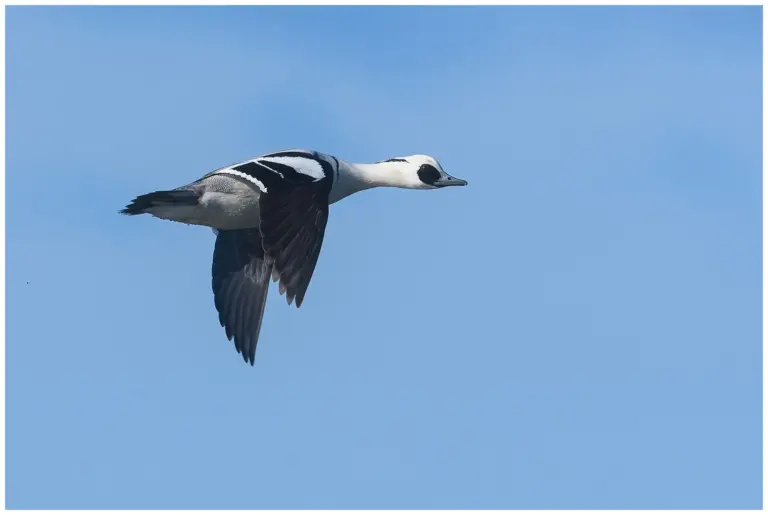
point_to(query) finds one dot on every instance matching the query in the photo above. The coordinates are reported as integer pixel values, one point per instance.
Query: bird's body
(270, 214)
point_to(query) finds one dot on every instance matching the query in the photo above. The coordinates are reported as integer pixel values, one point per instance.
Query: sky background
(580, 327)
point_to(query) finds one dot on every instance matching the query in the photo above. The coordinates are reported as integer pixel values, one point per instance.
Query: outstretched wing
(293, 206)
(294, 214)
(293, 227)
(240, 281)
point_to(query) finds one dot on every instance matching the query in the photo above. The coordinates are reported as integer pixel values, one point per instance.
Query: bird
(269, 215)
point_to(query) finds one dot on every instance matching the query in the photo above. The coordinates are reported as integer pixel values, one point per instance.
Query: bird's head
(421, 172)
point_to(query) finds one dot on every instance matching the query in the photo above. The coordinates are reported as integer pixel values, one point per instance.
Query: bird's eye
(428, 174)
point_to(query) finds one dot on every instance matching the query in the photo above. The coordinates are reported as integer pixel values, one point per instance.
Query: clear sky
(580, 327)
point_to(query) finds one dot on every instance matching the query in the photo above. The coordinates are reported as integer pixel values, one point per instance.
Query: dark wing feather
(292, 228)
(240, 285)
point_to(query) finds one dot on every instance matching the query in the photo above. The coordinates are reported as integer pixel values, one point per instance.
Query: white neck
(355, 177)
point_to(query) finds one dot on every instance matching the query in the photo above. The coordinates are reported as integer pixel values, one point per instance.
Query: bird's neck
(354, 177)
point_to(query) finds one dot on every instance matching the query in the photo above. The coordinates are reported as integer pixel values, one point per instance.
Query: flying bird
(269, 215)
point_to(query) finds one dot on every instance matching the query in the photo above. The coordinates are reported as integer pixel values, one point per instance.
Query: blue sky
(578, 328)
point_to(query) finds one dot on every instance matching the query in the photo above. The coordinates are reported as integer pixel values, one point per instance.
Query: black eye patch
(428, 174)
(395, 160)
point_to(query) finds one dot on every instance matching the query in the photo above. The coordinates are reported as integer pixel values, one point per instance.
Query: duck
(269, 214)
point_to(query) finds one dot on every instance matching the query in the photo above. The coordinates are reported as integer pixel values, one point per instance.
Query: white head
(420, 172)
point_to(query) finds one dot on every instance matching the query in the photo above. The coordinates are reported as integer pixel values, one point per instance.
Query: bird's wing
(293, 207)
(292, 229)
(240, 280)
(294, 213)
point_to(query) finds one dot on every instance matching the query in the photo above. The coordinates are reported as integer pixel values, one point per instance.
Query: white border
(346, 2)
(764, 248)
(2, 257)
(384, 2)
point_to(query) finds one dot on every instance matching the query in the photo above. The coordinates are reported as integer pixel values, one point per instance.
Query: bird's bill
(449, 181)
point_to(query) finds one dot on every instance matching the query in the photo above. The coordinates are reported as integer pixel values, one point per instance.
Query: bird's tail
(160, 201)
